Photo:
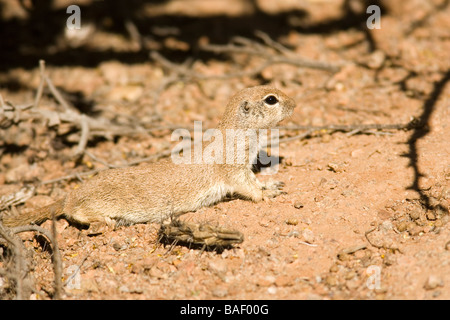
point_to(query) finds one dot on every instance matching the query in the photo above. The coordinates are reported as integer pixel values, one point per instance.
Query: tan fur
(155, 192)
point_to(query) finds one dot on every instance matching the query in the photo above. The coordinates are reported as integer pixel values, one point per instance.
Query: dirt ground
(365, 214)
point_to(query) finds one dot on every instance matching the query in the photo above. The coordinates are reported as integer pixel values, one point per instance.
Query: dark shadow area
(421, 131)
(12, 148)
(264, 160)
(44, 243)
(41, 35)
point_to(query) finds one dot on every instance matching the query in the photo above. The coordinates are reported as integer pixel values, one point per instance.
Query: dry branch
(194, 234)
(362, 127)
(20, 269)
(89, 127)
(273, 52)
(57, 262)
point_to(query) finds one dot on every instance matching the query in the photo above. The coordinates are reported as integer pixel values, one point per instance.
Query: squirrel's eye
(271, 100)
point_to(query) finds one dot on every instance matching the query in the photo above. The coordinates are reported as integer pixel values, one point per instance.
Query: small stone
(414, 214)
(431, 216)
(331, 280)
(352, 284)
(266, 281)
(294, 233)
(128, 93)
(433, 282)
(342, 256)
(384, 214)
(386, 225)
(389, 260)
(117, 246)
(416, 231)
(218, 267)
(298, 205)
(334, 268)
(308, 236)
(283, 281)
(376, 59)
(220, 292)
(356, 153)
(335, 167)
(402, 226)
(447, 246)
(292, 222)
(157, 273)
(272, 290)
(124, 289)
(89, 285)
(350, 275)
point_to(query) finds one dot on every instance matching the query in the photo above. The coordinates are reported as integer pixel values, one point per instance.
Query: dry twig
(272, 51)
(20, 268)
(193, 234)
(281, 55)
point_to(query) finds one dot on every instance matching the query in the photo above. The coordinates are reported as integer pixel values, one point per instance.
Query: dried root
(198, 235)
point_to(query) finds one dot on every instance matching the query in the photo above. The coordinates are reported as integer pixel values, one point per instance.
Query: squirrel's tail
(36, 217)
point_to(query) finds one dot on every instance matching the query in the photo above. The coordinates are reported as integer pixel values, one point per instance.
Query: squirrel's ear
(245, 107)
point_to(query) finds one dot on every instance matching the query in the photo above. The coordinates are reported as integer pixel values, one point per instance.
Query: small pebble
(433, 282)
(272, 290)
(402, 226)
(298, 205)
(414, 214)
(124, 289)
(331, 280)
(294, 233)
(308, 236)
(220, 292)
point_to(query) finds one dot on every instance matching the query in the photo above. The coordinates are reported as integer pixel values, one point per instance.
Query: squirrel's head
(260, 107)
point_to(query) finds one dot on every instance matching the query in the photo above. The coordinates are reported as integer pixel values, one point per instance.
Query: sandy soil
(365, 214)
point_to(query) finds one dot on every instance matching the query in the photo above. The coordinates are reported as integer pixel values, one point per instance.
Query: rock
(298, 205)
(415, 214)
(294, 233)
(90, 285)
(292, 222)
(386, 226)
(266, 281)
(336, 167)
(124, 289)
(129, 93)
(157, 273)
(220, 292)
(218, 267)
(433, 282)
(284, 281)
(376, 59)
(331, 280)
(308, 236)
(272, 290)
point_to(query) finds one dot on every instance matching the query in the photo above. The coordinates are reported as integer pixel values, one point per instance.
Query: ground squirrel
(158, 191)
